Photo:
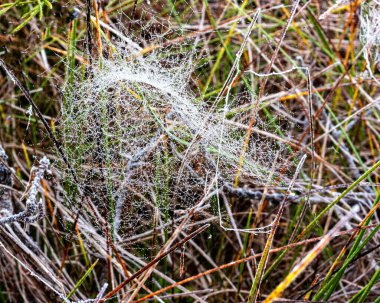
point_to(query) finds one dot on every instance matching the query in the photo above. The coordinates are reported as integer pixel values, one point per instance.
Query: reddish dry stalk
(68, 245)
(315, 281)
(120, 260)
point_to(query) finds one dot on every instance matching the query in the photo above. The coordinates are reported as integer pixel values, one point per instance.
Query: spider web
(140, 139)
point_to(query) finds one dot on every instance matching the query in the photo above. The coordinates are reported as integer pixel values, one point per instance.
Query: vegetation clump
(189, 151)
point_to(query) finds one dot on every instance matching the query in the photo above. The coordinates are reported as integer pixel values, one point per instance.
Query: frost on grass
(139, 138)
(5, 182)
(370, 33)
(370, 23)
(34, 207)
